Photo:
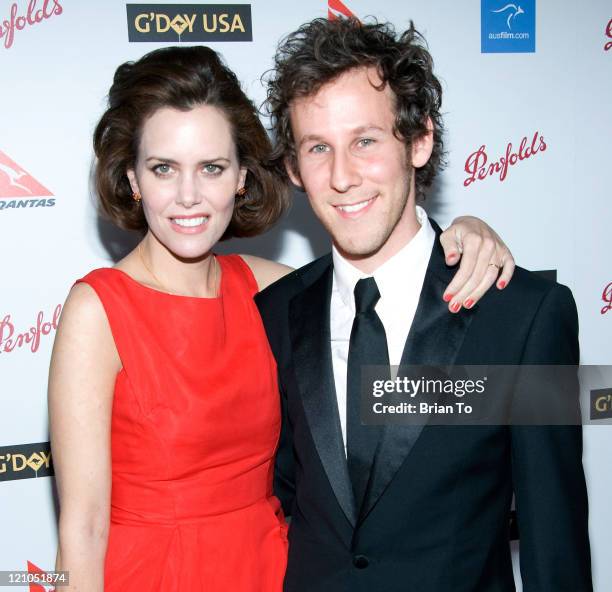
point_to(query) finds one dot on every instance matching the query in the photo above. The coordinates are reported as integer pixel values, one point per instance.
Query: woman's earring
(241, 192)
(136, 196)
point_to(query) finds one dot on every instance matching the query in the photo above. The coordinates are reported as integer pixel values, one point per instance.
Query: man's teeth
(190, 222)
(355, 207)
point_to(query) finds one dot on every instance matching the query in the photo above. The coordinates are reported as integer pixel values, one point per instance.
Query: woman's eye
(162, 169)
(366, 142)
(213, 169)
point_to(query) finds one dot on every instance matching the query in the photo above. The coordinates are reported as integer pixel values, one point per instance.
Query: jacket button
(361, 561)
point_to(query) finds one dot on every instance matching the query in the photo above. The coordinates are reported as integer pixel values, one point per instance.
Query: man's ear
(293, 172)
(131, 175)
(422, 147)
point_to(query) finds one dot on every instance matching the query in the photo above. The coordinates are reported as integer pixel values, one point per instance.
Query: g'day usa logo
(18, 189)
(25, 461)
(189, 22)
(507, 27)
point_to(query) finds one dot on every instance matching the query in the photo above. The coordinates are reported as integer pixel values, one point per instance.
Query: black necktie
(367, 347)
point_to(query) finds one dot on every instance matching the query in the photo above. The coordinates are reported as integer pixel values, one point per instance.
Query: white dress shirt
(400, 281)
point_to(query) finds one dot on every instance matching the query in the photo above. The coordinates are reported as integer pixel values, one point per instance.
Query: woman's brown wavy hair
(183, 78)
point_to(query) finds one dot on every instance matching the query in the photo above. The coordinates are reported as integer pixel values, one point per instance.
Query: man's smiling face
(357, 174)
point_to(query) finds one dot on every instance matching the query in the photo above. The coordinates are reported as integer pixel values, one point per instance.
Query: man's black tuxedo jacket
(435, 517)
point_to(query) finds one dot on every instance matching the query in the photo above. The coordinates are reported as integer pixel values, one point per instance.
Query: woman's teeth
(190, 222)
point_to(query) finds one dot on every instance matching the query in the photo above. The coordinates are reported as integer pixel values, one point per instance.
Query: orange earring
(136, 196)
(241, 192)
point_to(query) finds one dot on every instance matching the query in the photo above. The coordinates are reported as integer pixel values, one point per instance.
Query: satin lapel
(310, 339)
(435, 339)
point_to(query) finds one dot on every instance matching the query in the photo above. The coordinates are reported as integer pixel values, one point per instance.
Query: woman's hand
(485, 260)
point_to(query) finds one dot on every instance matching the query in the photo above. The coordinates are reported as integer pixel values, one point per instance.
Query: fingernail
(469, 303)
(455, 307)
(501, 285)
(447, 297)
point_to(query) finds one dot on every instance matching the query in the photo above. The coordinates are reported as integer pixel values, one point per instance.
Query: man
(398, 508)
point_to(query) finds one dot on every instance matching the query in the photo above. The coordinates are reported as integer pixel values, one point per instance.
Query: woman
(163, 394)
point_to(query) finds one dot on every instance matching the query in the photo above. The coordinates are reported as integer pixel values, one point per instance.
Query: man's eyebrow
(310, 138)
(356, 131)
(368, 128)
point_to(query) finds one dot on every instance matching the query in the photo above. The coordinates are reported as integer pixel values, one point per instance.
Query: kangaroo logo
(16, 182)
(336, 9)
(513, 11)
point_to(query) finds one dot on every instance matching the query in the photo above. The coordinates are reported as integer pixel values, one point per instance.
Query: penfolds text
(11, 339)
(17, 21)
(479, 167)
(606, 296)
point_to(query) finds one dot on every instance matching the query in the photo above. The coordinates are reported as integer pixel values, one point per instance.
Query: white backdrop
(552, 208)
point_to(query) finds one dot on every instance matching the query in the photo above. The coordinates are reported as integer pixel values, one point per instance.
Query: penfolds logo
(606, 296)
(608, 45)
(478, 166)
(11, 339)
(336, 9)
(17, 21)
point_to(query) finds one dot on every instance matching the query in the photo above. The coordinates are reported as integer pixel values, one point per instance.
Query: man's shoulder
(273, 302)
(283, 290)
(528, 290)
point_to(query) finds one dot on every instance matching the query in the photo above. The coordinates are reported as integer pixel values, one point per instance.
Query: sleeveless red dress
(195, 425)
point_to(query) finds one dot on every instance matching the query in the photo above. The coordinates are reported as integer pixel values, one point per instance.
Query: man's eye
(366, 142)
(319, 148)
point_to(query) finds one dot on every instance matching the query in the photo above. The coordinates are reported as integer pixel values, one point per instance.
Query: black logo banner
(601, 403)
(25, 461)
(177, 23)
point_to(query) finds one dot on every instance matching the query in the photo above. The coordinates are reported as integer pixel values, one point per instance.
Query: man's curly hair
(321, 50)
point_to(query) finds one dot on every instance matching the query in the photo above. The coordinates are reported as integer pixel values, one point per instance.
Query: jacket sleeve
(547, 472)
(273, 312)
(284, 468)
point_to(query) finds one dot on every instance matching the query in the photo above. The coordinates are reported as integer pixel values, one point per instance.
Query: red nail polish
(455, 307)
(469, 303)
(447, 297)
(501, 285)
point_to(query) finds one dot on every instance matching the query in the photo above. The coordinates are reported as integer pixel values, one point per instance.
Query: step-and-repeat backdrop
(528, 89)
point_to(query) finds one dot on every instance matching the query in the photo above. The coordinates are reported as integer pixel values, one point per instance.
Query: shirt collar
(395, 275)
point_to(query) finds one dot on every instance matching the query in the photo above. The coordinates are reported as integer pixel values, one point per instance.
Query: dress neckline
(217, 298)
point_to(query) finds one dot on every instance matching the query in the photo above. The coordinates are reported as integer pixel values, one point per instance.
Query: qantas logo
(608, 45)
(336, 9)
(37, 578)
(16, 182)
(18, 189)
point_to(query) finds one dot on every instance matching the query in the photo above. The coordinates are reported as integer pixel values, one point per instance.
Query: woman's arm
(266, 272)
(84, 366)
(485, 260)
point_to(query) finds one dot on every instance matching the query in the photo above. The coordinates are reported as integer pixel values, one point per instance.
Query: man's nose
(344, 172)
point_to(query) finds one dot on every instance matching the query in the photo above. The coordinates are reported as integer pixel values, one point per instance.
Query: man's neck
(404, 231)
